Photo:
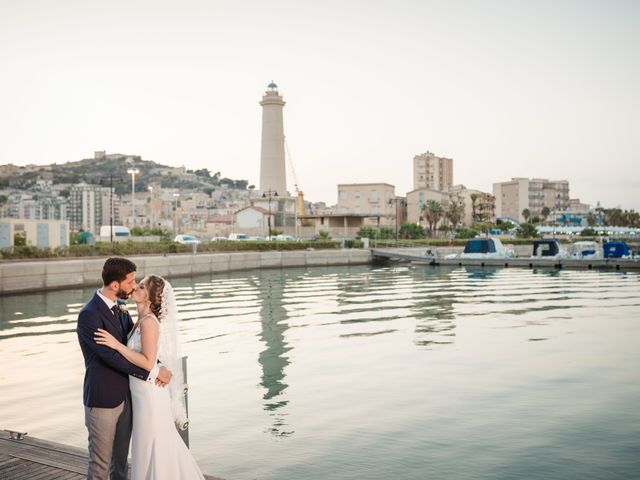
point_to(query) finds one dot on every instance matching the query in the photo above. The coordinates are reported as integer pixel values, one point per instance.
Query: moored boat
(617, 250)
(586, 250)
(548, 248)
(486, 248)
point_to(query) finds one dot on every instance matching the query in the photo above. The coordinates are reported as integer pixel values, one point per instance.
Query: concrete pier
(419, 257)
(52, 274)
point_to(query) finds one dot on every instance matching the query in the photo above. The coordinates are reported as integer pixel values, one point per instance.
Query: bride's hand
(102, 337)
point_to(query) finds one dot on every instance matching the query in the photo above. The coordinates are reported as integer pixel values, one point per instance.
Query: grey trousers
(109, 437)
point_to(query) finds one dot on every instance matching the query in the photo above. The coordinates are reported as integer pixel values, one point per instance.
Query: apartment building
(90, 206)
(368, 199)
(518, 194)
(31, 206)
(417, 198)
(432, 172)
(477, 206)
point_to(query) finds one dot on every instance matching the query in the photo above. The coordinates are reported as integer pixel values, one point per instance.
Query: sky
(513, 88)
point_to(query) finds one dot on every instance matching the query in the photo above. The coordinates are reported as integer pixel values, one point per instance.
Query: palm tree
(614, 216)
(545, 213)
(454, 213)
(432, 212)
(474, 199)
(526, 213)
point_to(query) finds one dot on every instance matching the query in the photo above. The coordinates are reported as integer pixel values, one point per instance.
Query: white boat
(549, 248)
(486, 248)
(586, 250)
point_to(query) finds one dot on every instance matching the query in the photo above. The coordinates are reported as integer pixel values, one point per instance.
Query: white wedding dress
(157, 450)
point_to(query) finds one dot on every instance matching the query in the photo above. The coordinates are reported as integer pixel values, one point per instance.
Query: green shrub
(588, 232)
(367, 232)
(466, 233)
(353, 243)
(324, 236)
(527, 230)
(412, 231)
(105, 249)
(505, 226)
(387, 232)
(377, 233)
(19, 239)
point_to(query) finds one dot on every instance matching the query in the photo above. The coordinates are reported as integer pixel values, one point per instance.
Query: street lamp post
(394, 201)
(175, 213)
(111, 206)
(268, 194)
(133, 172)
(109, 182)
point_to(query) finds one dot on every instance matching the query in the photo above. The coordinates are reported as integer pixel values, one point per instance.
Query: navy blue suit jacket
(106, 378)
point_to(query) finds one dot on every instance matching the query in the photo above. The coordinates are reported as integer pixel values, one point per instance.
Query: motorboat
(586, 250)
(486, 248)
(548, 248)
(617, 250)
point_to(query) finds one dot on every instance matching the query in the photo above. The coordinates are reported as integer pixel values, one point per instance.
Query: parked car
(186, 239)
(238, 236)
(119, 231)
(287, 238)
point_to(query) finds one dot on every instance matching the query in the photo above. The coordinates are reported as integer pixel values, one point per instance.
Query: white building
(38, 233)
(254, 220)
(90, 207)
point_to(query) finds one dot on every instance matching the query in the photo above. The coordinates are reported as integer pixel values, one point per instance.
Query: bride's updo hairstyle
(155, 287)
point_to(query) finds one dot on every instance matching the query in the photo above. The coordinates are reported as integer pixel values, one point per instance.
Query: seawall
(55, 274)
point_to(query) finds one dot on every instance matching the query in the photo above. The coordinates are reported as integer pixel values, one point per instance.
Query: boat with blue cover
(486, 248)
(617, 250)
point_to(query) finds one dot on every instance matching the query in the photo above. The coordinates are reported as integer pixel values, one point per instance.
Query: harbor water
(372, 372)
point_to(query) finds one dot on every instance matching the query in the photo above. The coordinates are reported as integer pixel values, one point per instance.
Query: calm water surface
(373, 372)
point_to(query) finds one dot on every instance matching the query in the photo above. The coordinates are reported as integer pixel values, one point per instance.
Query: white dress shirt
(153, 374)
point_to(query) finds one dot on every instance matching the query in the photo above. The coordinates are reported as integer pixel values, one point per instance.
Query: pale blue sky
(505, 88)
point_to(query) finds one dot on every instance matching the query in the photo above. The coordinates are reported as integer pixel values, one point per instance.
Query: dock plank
(36, 459)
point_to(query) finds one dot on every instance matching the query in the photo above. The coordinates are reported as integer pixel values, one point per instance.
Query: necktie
(116, 311)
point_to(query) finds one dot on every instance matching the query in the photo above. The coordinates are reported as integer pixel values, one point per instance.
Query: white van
(119, 233)
(238, 236)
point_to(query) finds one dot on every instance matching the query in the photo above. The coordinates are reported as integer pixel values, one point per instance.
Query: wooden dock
(516, 262)
(30, 458)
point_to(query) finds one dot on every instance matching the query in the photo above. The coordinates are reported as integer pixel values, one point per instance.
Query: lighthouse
(273, 175)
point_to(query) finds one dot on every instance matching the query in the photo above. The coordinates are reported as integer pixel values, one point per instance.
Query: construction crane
(300, 195)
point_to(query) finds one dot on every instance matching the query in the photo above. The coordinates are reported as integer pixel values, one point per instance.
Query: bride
(157, 451)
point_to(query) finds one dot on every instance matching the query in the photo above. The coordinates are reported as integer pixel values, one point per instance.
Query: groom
(106, 397)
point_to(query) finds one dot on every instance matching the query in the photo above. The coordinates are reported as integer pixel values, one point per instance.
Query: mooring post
(185, 391)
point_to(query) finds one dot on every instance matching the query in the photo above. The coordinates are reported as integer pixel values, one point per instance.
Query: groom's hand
(164, 377)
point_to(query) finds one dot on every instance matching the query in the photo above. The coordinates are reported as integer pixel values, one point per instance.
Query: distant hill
(98, 171)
